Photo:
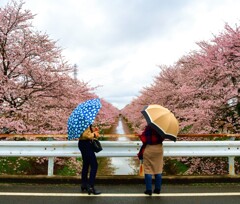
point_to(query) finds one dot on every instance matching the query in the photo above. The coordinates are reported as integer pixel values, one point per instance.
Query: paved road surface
(70, 194)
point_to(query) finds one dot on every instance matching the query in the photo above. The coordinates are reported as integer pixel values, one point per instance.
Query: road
(11, 193)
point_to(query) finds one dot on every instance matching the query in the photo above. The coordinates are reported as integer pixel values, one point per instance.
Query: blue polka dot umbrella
(82, 116)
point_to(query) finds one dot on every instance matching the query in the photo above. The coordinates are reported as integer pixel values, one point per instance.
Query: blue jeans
(158, 181)
(89, 160)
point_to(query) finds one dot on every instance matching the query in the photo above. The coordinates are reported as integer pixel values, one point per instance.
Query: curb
(117, 179)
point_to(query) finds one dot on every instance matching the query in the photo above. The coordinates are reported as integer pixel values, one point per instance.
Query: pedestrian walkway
(24, 193)
(119, 194)
(118, 179)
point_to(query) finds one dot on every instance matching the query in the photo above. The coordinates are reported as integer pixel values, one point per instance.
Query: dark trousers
(89, 161)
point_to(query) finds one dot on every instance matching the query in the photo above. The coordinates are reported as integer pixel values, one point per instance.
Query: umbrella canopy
(162, 120)
(82, 117)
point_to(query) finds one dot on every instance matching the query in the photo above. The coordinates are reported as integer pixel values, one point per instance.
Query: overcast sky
(119, 44)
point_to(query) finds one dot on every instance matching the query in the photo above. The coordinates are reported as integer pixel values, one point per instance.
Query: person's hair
(91, 128)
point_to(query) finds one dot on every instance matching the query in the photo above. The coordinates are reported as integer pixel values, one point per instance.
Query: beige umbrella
(162, 120)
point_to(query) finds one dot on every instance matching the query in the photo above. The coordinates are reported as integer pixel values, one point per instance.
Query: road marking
(119, 194)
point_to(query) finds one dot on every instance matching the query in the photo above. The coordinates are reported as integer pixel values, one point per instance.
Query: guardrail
(51, 149)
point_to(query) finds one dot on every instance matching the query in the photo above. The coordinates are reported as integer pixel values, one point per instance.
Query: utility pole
(75, 71)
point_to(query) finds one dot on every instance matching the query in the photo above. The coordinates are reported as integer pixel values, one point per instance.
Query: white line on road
(119, 194)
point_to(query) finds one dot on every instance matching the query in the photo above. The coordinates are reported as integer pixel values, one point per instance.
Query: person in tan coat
(151, 154)
(89, 160)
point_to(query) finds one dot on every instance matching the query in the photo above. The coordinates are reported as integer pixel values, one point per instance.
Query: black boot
(84, 188)
(92, 190)
(148, 192)
(157, 191)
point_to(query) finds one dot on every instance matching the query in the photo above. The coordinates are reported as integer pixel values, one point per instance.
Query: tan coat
(87, 135)
(153, 159)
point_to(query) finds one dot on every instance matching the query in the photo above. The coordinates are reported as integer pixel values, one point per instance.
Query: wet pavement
(119, 193)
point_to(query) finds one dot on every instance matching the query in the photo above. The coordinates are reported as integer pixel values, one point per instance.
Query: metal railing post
(50, 166)
(231, 167)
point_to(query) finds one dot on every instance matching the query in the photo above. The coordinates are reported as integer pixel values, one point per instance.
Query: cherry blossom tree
(215, 85)
(201, 89)
(31, 69)
(37, 93)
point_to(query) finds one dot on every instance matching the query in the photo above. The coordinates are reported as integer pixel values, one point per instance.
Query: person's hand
(96, 134)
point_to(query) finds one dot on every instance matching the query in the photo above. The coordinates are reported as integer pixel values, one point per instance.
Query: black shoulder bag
(96, 145)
